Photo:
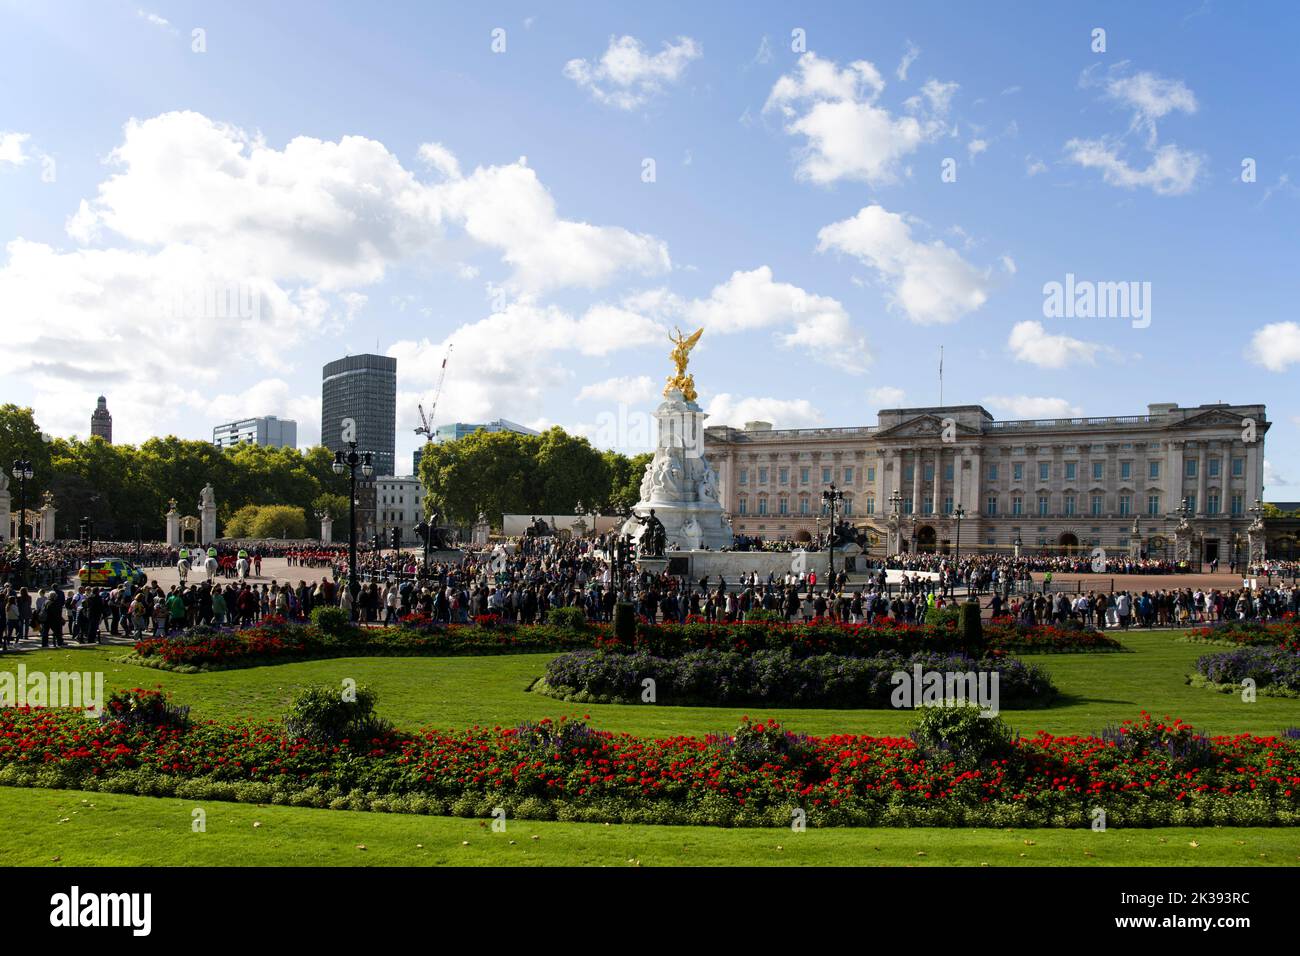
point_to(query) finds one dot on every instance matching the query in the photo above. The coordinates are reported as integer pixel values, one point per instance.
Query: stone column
(208, 525)
(173, 525)
(5, 499)
(917, 466)
(1174, 480)
(48, 513)
(938, 480)
(326, 528)
(1201, 465)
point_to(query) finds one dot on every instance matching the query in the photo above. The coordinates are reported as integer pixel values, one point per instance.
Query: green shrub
(961, 736)
(762, 614)
(945, 617)
(331, 620)
(329, 715)
(573, 618)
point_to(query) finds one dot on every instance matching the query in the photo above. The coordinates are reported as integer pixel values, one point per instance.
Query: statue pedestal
(173, 529)
(208, 525)
(5, 498)
(48, 513)
(680, 484)
(326, 529)
(652, 565)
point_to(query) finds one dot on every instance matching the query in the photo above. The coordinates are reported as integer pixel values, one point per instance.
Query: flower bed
(274, 641)
(1274, 670)
(963, 773)
(777, 678)
(1284, 634)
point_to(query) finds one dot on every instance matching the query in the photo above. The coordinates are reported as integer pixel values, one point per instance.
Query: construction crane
(424, 427)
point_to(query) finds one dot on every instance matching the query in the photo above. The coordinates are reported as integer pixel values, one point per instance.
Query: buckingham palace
(930, 479)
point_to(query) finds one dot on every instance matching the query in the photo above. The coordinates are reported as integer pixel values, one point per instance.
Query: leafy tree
(20, 437)
(569, 471)
(279, 521)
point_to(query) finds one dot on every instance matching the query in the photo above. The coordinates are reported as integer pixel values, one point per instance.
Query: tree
(625, 480)
(240, 524)
(20, 437)
(279, 521)
(569, 471)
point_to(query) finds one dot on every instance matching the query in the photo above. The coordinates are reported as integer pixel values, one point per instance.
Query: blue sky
(355, 176)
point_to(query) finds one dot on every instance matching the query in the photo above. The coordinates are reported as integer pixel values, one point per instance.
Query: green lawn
(461, 691)
(74, 828)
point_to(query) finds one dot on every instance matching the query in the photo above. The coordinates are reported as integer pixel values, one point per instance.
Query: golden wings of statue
(681, 355)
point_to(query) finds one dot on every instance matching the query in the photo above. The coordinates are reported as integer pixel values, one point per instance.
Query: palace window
(993, 472)
(1071, 469)
(1126, 470)
(803, 476)
(1042, 504)
(1097, 502)
(1191, 464)
(871, 473)
(1017, 505)
(1018, 471)
(1238, 467)
(784, 475)
(1237, 505)
(929, 472)
(1069, 504)
(744, 476)
(762, 476)
(991, 506)
(1125, 504)
(803, 505)
(871, 504)
(1212, 504)
(1153, 469)
(1044, 471)
(826, 476)
(1214, 467)
(1153, 504)
(783, 505)
(848, 474)
(1098, 470)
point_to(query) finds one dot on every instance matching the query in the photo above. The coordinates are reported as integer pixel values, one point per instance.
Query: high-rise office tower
(362, 388)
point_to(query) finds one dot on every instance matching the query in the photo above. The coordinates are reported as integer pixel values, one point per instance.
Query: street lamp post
(960, 513)
(348, 461)
(830, 497)
(896, 503)
(23, 472)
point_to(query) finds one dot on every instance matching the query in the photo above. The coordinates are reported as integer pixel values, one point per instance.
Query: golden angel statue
(681, 355)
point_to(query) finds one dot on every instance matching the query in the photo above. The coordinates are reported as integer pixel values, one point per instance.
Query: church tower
(101, 422)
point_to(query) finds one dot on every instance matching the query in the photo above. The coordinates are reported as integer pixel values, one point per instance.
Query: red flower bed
(1146, 773)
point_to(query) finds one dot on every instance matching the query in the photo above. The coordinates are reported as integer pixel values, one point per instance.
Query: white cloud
(752, 300)
(1030, 342)
(727, 409)
(1150, 97)
(11, 148)
(1032, 407)
(850, 136)
(909, 57)
(155, 20)
(886, 396)
(626, 76)
(1272, 478)
(1008, 265)
(1171, 172)
(929, 282)
(440, 158)
(627, 389)
(203, 232)
(1034, 166)
(975, 147)
(1275, 346)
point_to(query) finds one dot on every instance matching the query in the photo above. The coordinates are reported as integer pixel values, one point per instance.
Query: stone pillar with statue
(173, 524)
(207, 515)
(481, 531)
(48, 514)
(679, 507)
(1135, 541)
(326, 526)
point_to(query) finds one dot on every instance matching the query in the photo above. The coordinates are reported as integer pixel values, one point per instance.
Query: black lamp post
(348, 461)
(830, 497)
(896, 503)
(960, 513)
(23, 472)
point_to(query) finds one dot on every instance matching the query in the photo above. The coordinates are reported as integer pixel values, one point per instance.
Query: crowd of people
(522, 579)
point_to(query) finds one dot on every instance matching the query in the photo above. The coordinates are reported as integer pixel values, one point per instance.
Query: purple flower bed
(1269, 667)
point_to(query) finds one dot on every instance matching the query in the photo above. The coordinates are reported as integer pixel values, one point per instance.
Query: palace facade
(1042, 486)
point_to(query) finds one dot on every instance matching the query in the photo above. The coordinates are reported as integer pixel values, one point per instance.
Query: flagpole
(941, 376)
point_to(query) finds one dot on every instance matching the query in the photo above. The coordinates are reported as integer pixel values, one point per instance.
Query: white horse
(242, 567)
(183, 569)
(211, 565)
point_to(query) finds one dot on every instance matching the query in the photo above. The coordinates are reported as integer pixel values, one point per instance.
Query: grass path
(74, 828)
